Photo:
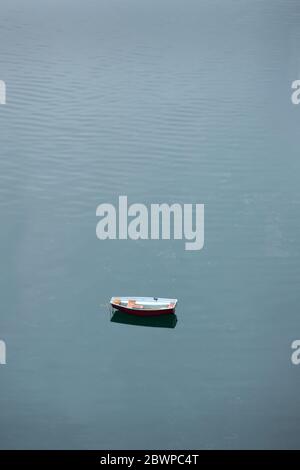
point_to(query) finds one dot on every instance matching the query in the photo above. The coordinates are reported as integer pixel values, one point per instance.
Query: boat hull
(143, 313)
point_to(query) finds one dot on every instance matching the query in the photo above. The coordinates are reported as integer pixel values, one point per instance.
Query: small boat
(144, 306)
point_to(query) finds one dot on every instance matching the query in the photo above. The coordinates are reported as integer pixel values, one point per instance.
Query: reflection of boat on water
(161, 321)
(144, 306)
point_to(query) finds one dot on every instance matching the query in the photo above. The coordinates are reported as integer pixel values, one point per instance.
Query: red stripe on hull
(144, 313)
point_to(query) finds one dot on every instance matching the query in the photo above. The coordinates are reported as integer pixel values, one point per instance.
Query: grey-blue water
(184, 101)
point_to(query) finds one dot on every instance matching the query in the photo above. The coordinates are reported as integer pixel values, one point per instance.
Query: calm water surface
(164, 101)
